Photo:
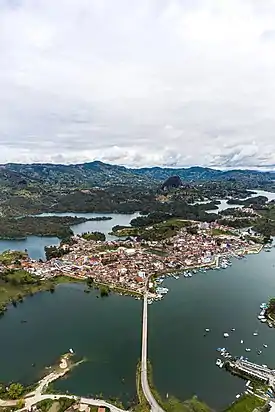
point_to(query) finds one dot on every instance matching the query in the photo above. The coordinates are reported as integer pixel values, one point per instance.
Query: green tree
(15, 390)
(104, 291)
(90, 281)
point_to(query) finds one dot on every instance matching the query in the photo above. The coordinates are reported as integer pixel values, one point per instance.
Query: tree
(15, 390)
(104, 291)
(90, 281)
(94, 236)
(19, 297)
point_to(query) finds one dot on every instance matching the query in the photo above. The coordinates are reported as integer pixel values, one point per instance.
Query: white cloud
(153, 82)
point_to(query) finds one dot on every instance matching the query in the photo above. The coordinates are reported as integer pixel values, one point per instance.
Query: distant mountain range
(101, 174)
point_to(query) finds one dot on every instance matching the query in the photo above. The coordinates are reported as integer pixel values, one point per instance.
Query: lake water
(108, 332)
(35, 244)
(224, 205)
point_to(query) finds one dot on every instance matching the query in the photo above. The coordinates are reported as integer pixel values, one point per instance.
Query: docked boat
(263, 320)
(71, 350)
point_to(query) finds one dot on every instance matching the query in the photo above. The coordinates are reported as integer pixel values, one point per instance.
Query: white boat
(225, 335)
(255, 334)
(218, 362)
(207, 330)
(263, 320)
(241, 341)
(233, 329)
(265, 345)
(247, 349)
(71, 350)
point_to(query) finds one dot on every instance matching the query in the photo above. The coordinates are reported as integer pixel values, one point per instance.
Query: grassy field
(246, 403)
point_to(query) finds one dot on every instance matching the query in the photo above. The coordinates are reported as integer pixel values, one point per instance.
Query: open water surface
(107, 332)
(35, 244)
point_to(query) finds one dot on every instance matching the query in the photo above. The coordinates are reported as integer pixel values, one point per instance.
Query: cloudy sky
(147, 82)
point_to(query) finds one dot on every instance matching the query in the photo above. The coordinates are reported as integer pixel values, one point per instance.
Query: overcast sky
(146, 82)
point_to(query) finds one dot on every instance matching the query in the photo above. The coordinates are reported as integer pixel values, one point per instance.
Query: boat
(225, 335)
(259, 352)
(241, 341)
(207, 330)
(265, 345)
(233, 329)
(263, 320)
(255, 334)
(218, 362)
(71, 350)
(247, 349)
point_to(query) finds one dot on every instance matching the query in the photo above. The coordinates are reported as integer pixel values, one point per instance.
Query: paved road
(38, 397)
(144, 376)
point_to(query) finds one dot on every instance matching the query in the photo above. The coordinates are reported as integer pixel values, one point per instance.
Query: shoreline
(49, 285)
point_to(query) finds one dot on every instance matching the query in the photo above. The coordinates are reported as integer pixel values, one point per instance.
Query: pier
(254, 371)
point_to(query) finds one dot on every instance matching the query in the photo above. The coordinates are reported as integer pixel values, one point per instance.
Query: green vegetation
(247, 403)
(59, 226)
(61, 405)
(65, 403)
(104, 291)
(271, 308)
(8, 257)
(218, 232)
(236, 223)
(17, 283)
(20, 404)
(45, 405)
(142, 404)
(94, 236)
(15, 391)
(157, 231)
